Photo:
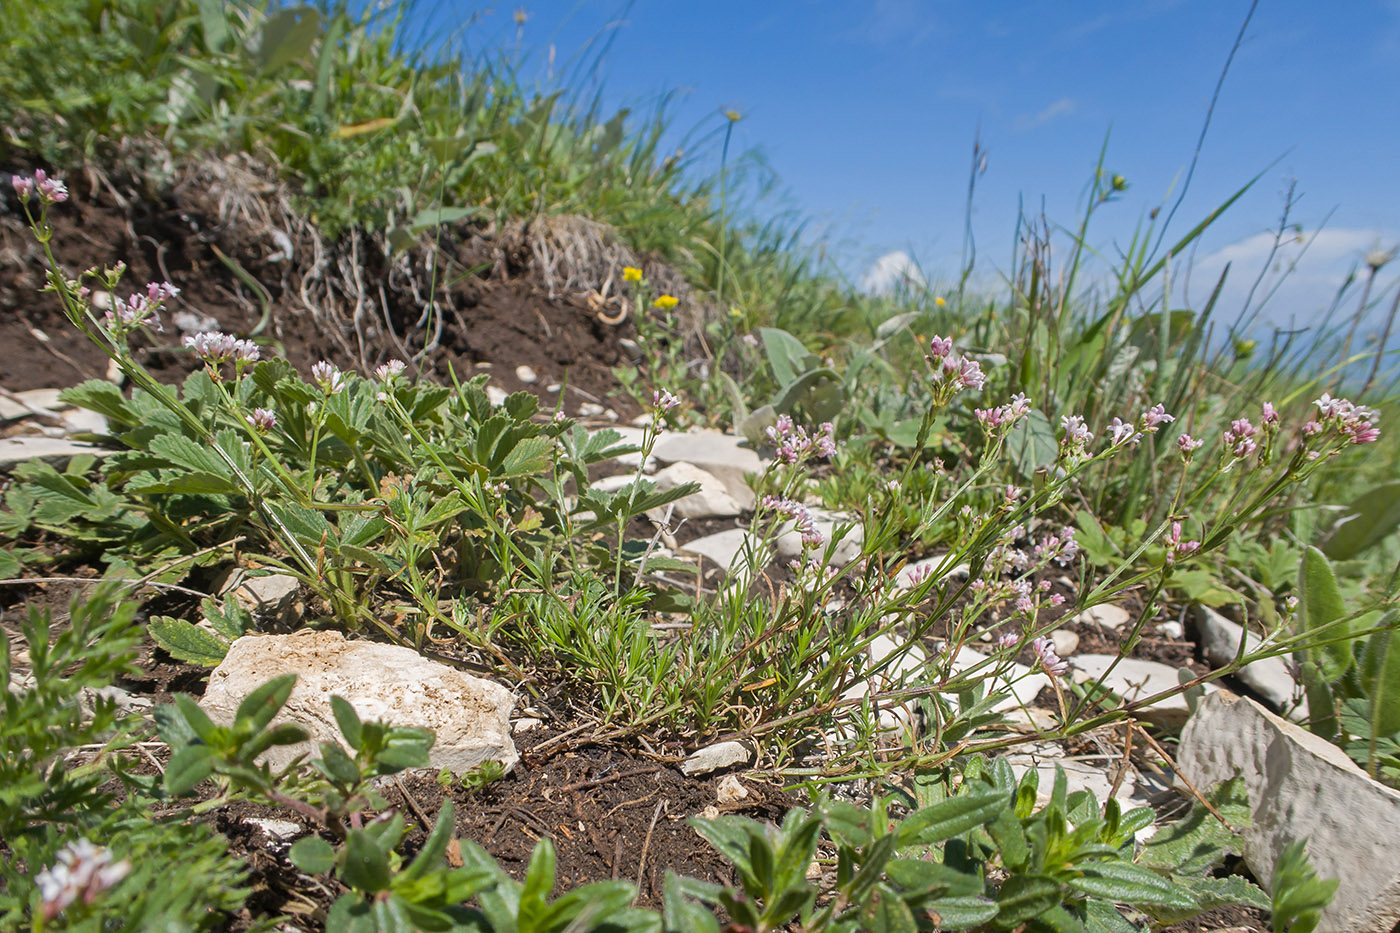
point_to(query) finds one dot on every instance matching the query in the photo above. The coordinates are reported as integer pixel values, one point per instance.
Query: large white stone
(1108, 616)
(791, 547)
(469, 715)
(722, 547)
(56, 451)
(268, 597)
(1094, 775)
(717, 453)
(1135, 679)
(1220, 639)
(1301, 786)
(712, 501)
(1020, 682)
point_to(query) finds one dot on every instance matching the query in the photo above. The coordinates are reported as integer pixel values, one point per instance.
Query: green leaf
(265, 701)
(887, 913)
(1380, 677)
(434, 847)
(788, 356)
(1032, 445)
(186, 641)
(103, 397)
(366, 865)
(286, 37)
(348, 721)
(187, 767)
(959, 913)
(1024, 897)
(184, 452)
(337, 765)
(312, 855)
(1369, 519)
(1124, 882)
(1320, 605)
(681, 915)
(952, 817)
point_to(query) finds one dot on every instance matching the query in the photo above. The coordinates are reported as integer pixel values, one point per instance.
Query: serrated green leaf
(187, 642)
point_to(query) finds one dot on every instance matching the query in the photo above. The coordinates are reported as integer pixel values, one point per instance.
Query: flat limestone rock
(716, 453)
(1108, 616)
(1135, 679)
(1301, 786)
(1220, 638)
(722, 547)
(56, 451)
(469, 715)
(1020, 683)
(712, 501)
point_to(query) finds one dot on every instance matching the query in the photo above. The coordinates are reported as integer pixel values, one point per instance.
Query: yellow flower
(631, 274)
(666, 302)
(940, 301)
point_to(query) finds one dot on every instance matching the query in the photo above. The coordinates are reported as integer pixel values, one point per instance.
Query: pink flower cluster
(1061, 548)
(1239, 439)
(793, 443)
(956, 371)
(263, 420)
(1176, 547)
(1355, 422)
(1188, 446)
(663, 401)
(51, 190)
(325, 375)
(213, 348)
(801, 517)
(1004, 415)
(83, 871)
(387, 372)
(139, 308)
(1077, 433)
(1050, 662)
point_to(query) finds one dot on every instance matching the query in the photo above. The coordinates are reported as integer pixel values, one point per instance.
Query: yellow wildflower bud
(631, 274)
(666, 302)
(940, 301)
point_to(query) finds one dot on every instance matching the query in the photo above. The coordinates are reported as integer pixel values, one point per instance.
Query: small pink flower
(24, 187)
(1050, 662)
(386, 372)
(1077, 433)
(1188, 445)
(970, 375)
(51, 190)
(1154, 417)
(1269, 417)
(330, 379)
(939, 347)
(1120, 433)
(263, 419)
(1007, 639)
(83, 871)
(663, 401)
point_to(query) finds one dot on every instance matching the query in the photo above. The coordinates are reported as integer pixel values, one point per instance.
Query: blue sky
(867, 111)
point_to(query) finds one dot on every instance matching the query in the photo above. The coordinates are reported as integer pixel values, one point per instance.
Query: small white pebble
(525, 374)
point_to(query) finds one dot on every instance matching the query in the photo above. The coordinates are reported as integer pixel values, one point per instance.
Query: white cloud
(891, 273)
(1308, 268)
(1064, 107)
